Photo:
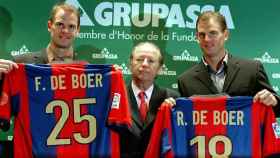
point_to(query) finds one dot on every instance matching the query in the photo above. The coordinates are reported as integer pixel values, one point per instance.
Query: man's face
(211, 38)
(144, 64)
(63, 29)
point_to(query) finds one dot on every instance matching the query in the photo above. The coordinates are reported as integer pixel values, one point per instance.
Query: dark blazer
(135, 142)
(243, 78)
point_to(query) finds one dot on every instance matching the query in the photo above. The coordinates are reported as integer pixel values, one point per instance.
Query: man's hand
(266, 97)
(117, 67)
(171, 101)
(6, 66)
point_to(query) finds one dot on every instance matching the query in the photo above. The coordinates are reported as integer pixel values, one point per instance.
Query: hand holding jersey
(6, 66)
(266, 97)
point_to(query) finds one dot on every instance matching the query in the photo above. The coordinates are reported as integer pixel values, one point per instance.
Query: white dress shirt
(148, 93)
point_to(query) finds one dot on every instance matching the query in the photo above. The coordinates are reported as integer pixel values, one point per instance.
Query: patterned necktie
(143, 106)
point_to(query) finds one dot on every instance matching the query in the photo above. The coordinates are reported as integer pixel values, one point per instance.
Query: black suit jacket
(243, 78)
(135, 142)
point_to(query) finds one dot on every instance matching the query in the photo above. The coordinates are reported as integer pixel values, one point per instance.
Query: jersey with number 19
(222, 126)
(65, 110)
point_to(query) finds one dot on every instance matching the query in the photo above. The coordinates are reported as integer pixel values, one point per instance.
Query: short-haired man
(63, 26)
(219, 71)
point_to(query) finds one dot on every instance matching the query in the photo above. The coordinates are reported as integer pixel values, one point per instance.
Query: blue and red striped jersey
(207, 127)
(65, 110)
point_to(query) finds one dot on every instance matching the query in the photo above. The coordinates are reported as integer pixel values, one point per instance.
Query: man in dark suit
(64, 26)
(219, 71)
(145, 63)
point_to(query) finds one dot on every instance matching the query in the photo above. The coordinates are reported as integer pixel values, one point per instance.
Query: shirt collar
(223, 64)
(148, 92)
(51, 56)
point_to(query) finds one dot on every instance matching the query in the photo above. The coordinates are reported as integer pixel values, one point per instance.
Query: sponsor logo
(276, 75)
(84, 18)
(104, 54)
(174, 85)
(164, 71)
(276, 129)
(127, 14)
(276, 88)
(116, 101)
(185, 56)
(266, 58)
(10, 138)
(22, 50)
(125, 69)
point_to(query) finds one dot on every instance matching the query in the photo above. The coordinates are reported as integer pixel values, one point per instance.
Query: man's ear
(226, 34)
(159, 70)
(196, 35)
(49, 25)
(77, 32)
(129, 64)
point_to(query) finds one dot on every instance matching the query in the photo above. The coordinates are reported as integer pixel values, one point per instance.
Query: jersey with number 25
(65, 110)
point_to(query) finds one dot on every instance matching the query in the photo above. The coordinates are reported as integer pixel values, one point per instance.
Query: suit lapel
(154, 103)
(134, 106)
(203, 75)
(232, 69)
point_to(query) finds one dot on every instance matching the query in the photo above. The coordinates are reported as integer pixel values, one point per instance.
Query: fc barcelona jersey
(206, 127)
(65, 111)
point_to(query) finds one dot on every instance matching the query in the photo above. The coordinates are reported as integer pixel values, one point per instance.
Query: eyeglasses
(61, 26)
